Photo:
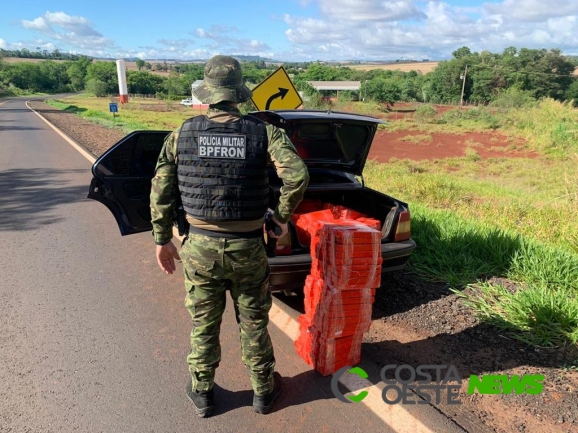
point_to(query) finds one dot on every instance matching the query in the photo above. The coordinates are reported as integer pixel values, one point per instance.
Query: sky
(288, 30)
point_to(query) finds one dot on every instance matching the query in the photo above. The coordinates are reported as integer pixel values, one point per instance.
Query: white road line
(395, 416)
(66, 137)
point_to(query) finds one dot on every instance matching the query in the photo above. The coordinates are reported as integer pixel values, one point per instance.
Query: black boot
(264, 403)
(204, 401)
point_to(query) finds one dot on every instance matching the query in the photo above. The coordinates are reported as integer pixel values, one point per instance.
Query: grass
(138, 114)
(417, 139)
(476, 221)
(542, 311)
(532, 197)
(540, 316)
(515, 219)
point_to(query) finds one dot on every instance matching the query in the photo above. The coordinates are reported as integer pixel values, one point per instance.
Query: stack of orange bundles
(339, 292)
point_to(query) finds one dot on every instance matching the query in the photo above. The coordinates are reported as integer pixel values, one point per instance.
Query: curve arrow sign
(280, 94)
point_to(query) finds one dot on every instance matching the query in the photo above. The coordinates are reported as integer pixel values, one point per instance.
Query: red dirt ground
(387, 145)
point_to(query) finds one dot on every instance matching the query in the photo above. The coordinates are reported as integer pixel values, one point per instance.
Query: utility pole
(463, 86)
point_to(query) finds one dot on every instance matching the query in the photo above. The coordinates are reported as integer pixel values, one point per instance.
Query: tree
(461, 53)
(253, 73)
(104, 72)
(144, 82)
(175, 86)
(572, 93)
(96, 87)
(77, 72)
(385, 90)
(140, 64)
(446, 81)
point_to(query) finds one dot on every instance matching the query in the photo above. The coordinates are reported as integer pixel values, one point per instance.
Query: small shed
(352, 86)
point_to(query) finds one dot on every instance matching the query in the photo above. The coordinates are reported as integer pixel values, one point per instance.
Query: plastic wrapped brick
(334, 314)
(308, 224)
(335, 353)
(370, 222)
(342, 212)
(309, 205)
(306, 342)
(339, 292)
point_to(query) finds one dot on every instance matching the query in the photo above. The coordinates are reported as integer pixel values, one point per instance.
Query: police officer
(217, 166)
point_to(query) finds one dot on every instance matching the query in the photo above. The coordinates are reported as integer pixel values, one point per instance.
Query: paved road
(94, 336)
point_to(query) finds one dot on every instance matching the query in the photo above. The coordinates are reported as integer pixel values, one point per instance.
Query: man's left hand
(166, 255)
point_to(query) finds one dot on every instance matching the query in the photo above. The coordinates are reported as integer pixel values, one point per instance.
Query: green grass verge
(531, 197)
(542, 311)
(539, 316)
(138, 114)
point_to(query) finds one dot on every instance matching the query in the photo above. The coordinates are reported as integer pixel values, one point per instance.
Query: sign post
(276, 92)
(113, 107)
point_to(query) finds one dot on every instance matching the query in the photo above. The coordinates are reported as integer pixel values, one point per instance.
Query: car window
(351, 140)
(136, 155)
(330, 141)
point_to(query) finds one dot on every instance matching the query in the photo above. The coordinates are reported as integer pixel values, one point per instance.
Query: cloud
(533, 10)
(371, 10)
(413, 29)
(176, 43)
(72, 32)
(223, 39)
(39, 24)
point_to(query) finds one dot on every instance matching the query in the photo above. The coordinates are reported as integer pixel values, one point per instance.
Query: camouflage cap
(223, 82)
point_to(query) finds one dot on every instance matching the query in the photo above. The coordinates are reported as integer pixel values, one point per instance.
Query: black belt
(227, 235)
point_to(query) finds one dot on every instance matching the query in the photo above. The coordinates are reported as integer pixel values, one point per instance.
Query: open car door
(122, 179)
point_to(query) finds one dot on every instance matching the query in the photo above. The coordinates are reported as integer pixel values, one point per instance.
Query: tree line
(100, 77)
(485, 77)
(24, 53)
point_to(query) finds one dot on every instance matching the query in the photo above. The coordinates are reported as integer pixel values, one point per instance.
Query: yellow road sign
(276, 92)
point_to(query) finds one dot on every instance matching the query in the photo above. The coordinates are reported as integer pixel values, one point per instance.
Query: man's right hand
(166, 255)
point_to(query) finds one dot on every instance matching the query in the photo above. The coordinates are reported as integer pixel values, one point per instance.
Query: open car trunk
(292, 262)
(369, 203)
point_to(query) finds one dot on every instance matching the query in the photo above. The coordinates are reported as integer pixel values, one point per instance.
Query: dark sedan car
(333, 145)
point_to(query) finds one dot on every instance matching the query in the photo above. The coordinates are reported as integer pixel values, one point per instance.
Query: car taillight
(403, 231)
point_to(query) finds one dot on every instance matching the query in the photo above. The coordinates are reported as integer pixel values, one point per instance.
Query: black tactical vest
(222, 169)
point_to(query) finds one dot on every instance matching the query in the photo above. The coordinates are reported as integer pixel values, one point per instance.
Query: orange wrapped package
(340, 289)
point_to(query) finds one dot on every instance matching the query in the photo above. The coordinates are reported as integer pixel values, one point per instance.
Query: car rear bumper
(289, 272)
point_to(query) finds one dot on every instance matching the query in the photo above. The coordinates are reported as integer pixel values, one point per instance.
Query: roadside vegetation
(501, 231)
(505, 229)
(138, 114)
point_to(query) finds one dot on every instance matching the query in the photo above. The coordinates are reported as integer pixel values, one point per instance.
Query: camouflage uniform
(214, 264)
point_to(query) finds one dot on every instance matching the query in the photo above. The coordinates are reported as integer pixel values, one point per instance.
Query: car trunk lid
(327, 139)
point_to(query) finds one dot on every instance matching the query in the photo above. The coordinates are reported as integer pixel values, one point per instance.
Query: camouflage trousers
(212, 266)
